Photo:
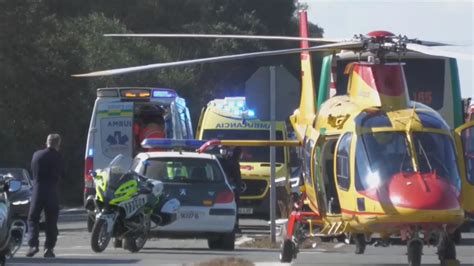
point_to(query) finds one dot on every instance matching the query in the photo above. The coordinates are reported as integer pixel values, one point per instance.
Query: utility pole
(272, 153)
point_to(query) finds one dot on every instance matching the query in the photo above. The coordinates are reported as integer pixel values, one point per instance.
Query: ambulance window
(342, 161)
(184, 121)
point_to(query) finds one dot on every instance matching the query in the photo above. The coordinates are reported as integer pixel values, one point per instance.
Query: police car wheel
(224, 241)
(213, 243)
(228, 241)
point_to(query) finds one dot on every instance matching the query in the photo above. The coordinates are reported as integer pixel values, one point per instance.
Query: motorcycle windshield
(117, 168)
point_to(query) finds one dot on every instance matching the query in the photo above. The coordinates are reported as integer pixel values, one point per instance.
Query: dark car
(20, 200)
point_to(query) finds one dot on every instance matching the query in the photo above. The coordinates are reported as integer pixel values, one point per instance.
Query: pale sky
(443, 21)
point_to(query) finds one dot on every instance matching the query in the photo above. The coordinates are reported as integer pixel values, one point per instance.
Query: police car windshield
(249, 154)
(183, 170)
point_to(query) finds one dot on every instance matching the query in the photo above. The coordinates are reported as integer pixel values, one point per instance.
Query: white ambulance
(116, 114)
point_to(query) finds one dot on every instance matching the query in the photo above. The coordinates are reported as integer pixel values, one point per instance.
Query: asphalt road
(73, 248)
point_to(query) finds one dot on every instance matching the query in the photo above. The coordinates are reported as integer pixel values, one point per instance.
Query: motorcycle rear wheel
(136, 242)
(100, 238)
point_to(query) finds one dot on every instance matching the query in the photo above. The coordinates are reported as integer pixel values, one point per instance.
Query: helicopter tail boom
(306, 112)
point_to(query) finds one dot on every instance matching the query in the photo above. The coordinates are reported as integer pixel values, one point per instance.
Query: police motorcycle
(126, 204)
(12, 228)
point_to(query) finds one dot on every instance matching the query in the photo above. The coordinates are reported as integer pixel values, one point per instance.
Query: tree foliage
(43, 42)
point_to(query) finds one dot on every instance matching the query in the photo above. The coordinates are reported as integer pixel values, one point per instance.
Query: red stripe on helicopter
(386, 79)
(304, 30)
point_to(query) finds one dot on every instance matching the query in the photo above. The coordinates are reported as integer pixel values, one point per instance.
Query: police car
(207, 205)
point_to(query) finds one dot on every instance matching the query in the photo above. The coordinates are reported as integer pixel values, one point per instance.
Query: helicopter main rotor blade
(325, 47)
(438, 52)
(430, 43)
(226, 36)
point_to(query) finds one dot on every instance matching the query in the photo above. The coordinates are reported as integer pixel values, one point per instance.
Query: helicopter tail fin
(306, 111)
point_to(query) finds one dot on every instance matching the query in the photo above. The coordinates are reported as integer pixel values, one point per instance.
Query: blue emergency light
(237, 108)
(190, 144)
(163, 94)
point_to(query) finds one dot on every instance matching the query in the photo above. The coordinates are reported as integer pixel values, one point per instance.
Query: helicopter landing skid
(295, 233)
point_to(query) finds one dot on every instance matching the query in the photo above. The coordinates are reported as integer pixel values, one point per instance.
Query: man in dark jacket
(231, 165)
(47, 167)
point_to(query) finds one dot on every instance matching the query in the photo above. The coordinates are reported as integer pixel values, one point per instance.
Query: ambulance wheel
(415, 248)
(287, 251)
(341, 238)
(326, 238)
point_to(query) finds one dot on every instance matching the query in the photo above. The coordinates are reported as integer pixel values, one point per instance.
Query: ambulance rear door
(114, 135)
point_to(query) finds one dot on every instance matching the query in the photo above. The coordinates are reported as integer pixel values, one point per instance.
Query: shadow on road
(82, 261)
(200, 251)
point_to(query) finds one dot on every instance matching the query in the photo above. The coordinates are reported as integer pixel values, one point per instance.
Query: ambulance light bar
(135, 93)
(236, 106)
(163, 93)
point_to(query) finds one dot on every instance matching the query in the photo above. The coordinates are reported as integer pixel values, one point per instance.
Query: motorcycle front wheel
(100, 237)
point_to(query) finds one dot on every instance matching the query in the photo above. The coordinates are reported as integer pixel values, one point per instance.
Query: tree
(43, 42)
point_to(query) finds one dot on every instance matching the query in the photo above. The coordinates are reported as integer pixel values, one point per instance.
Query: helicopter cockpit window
(379, 156)
(435, 153)
(432, 120)
(373, 119)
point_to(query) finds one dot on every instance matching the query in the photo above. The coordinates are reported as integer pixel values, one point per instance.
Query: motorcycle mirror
(14, 185)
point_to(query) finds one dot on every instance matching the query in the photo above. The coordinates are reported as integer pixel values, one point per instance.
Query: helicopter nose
(422, 191)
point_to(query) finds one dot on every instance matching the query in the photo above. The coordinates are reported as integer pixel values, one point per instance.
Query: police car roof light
(172, 143)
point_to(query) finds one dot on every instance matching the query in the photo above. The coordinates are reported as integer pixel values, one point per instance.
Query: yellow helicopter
(373, 162)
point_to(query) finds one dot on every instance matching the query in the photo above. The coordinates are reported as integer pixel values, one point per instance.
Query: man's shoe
(32, 251)
(49, 253)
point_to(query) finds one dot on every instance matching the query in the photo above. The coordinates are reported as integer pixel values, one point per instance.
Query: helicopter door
(465, 144)
(318, 194)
